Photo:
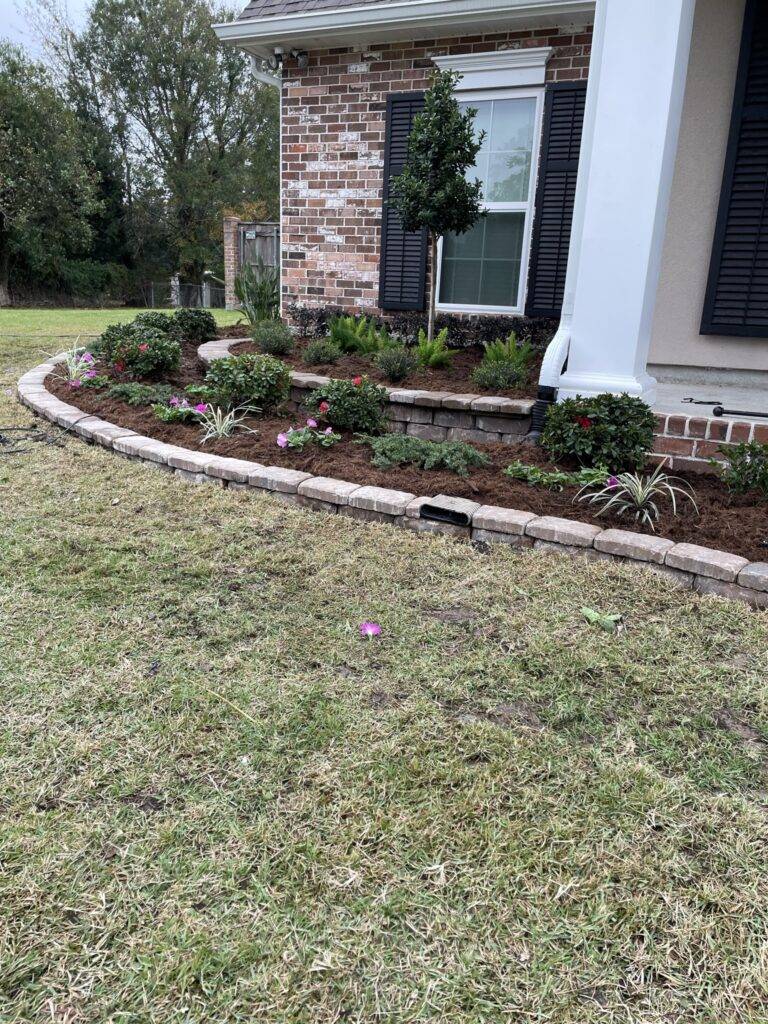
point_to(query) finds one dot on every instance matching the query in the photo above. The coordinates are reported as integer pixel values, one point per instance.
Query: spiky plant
(218, 423)
(638, 496)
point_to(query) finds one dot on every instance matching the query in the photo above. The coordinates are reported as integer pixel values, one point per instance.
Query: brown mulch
(735, 523)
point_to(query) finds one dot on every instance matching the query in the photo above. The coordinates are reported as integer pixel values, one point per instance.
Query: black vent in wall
(403, 267)
(737, 291)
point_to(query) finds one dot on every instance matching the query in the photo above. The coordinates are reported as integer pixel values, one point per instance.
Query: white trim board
(501, 69)
(398, 19)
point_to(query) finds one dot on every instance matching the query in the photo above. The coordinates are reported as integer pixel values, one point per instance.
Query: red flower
(584, 422)
(119, 367)
(357, 381)
(144, 347)
(323, 407)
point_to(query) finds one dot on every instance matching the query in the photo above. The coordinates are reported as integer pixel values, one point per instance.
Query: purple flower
(174, 401)
(370, 630)
(328, 430)
(86, 357)
(613, 482)
(312, 424)
(90, 375)
(282, 440)
(75, 383)
(201, 407)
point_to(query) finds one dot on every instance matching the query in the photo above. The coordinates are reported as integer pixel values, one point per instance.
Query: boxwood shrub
(259, 381)
(357, 405)
(194, 325)
(615, 431)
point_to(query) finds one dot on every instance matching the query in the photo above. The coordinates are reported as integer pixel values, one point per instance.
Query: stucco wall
(676, 341)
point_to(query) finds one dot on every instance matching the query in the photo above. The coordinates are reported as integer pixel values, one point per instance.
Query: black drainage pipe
(438, 514)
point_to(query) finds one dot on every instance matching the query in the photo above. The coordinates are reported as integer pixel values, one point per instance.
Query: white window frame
(510, 92)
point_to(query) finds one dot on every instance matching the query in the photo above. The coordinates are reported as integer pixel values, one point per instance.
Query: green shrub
(252, 381)
(110, 340)
(154, 321)
(359, 336)
(746, 468)
(145, 353)
(555, 479)
(393, 450)
(257, 289)
(321, 353)
(273, 337)
(603, 430)
(435, 354)
(397, 364)
(351, 405)
(135, 393)
(498, 376)
(194, 325)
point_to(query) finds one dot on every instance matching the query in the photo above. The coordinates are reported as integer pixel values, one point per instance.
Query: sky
(15, 26)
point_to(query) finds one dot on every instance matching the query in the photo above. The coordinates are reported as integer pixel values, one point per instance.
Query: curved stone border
(431, 415)
(692, 567)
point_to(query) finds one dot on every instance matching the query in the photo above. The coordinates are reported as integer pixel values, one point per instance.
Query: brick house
(625, 165)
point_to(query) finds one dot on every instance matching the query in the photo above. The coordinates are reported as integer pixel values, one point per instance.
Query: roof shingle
(280, 8)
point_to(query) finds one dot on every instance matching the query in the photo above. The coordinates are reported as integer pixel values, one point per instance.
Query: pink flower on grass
(312, 424)
(201, 407)
(282, 440)
(368, 630)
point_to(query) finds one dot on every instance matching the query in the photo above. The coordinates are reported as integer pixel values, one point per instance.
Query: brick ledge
(703, 570)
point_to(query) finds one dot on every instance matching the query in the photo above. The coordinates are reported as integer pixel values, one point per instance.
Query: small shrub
(555, 479)
(746, 468)
(358, 336)
(145, 353)
(356, 405)
(220, 423)
(397, 364)
(435, 354)
(153, 321)
(273, 337)
(135, 393)
(603, 430)
(393, 450)
(630, 494)
(321, 353)
(112, 338)
(194, 325)
(497, 377)
(254, 381)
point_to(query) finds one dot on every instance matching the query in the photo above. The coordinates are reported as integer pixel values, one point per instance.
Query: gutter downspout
(556, 355)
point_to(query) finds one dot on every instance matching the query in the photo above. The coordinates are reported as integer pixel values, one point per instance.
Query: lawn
(219, 803)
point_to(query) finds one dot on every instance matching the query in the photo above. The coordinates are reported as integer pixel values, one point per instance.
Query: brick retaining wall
(689, 442)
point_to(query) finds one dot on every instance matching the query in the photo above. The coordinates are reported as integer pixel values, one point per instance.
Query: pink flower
(328, 430)
(174, 401)
(90, 375)
(613, 482)
(323, 407)
(144, 347)
(368, 630)
(201, 407)
(357, 381)
(119, 367)
(86, 357)
(282, 440)
(74, 383)
(312, 424)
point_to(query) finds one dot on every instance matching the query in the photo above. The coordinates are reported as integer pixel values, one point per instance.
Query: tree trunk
(5, 294)
(432, 284)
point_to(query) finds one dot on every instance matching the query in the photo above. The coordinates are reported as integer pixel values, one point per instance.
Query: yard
(220, 803)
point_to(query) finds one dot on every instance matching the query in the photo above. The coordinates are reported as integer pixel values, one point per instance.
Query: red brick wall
(333, 147)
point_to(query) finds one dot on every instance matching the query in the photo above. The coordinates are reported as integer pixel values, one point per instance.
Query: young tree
(47, 187)
(433, 191)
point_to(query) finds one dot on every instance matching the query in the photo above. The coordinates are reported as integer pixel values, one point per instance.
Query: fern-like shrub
(393, 450)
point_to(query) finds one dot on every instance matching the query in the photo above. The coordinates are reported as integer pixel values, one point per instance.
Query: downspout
(556, 355)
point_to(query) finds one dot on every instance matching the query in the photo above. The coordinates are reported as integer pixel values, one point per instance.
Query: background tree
(47, 182)
(433, 191)
(191, 124)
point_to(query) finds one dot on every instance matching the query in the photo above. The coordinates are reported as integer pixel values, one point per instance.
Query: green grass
(220, 804)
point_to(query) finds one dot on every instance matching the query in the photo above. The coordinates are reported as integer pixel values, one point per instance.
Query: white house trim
(501, 69)
(401, 19)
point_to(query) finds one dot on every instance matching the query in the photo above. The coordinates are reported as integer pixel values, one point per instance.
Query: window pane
(482, 267)
(512, 125)
(504, 163)
(508, 177)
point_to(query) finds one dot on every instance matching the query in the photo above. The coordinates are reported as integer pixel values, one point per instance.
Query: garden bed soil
(735, 523)
(455, 377)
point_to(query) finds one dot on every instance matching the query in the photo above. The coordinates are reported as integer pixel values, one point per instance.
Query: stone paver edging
(692, 567)
(431, 415)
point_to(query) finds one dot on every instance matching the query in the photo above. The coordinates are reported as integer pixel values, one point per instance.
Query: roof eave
(383, 22)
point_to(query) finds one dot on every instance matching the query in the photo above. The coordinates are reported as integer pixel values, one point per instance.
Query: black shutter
(736, 302)
(403, 267)
(558, 170)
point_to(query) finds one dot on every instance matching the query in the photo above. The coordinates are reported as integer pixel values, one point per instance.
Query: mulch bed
(735, 523)
(454, 378)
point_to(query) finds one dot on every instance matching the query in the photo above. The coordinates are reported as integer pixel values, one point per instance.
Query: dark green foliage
(257, 289)
(194, 325)
(349, 406)
(273, 337)
(358, 336)
(506, 364)
(135, 393)
(604, 430)
(321, 353)
(434, 354)
(110, 340)
(154, 321)
(555, 479)
(312, 321)
(256, 381)
(147, 352)
(397, 363)
(746, 468)
(393, 450)
(497, 377)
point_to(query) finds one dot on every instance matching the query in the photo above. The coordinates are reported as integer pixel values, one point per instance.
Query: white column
(637, 86)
